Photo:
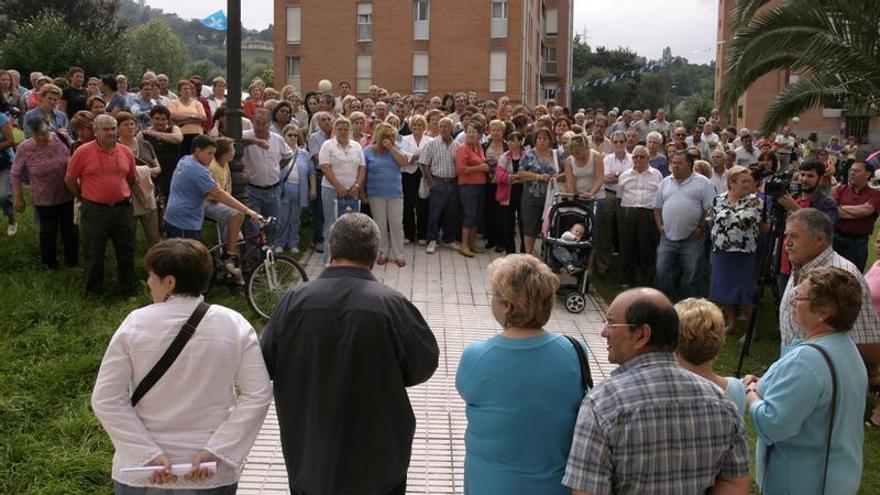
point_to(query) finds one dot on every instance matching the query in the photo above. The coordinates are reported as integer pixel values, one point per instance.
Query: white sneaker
(406, 241)
(454, 246)
(422, 242)
(277, 250)
(11, 229)
(432, 246)
(294, 251)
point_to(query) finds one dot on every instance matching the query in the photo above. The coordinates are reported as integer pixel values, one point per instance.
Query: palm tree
(833, 44)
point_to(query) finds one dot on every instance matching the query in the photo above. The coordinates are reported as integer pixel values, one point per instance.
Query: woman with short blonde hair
(523, 376)
(385, 191)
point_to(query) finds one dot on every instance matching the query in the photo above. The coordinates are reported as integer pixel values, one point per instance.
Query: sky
(645, 26)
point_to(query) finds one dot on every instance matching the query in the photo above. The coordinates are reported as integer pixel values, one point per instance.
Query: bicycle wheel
(270, 281)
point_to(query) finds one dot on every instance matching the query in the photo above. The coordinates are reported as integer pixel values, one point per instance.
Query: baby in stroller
(567, 256)
(567, 247)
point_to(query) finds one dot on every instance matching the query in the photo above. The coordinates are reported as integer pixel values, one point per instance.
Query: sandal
(381, 261)
(401, 263)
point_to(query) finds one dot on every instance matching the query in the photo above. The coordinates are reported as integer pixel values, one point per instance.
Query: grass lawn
(54, 338)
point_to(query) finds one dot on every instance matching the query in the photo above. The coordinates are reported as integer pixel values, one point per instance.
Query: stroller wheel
(575, 302)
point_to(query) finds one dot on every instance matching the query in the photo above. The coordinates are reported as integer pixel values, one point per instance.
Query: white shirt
(638, 189)
(194, 405)
(744, 158)
(344, 162)
(409, 148)
(719, 181)
(615, 166)
(263, 166)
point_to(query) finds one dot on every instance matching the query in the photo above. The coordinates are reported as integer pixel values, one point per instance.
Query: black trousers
(108, 223)
(491, 216)
(397, 490)
(53, 219)
(415, 209)
(638, 244)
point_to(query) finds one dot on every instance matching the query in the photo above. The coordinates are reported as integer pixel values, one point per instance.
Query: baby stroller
(565, 212)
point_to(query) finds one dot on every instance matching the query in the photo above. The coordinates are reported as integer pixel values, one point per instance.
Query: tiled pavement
(450, 291)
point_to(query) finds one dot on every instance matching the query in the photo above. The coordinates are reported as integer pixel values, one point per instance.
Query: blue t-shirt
(4, 119)
(117, 101)
(189, 185)
(383, 175)
(523, 397)
(683, 204)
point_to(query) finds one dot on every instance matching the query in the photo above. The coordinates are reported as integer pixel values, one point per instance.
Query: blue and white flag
(217, 21)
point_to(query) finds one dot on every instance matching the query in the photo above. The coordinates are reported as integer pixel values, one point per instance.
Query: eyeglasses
(609, 324)
(795, 295)
(641, 157)
(617, 142)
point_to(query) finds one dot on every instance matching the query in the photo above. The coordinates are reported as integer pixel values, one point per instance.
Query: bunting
(612, 79)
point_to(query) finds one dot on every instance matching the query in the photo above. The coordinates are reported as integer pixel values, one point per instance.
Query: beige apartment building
(518, 48)
(749, 110)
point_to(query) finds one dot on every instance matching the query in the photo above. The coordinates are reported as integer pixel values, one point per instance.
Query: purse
(167, 359)
(586, 375)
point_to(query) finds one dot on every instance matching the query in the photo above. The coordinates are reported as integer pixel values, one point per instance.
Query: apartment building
(750, 109)
(518, 48)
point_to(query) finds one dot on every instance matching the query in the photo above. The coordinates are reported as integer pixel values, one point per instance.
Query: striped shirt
(866, 329)
(439, 158)
(653, 427)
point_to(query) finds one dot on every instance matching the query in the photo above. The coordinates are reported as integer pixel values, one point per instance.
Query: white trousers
(388, 214)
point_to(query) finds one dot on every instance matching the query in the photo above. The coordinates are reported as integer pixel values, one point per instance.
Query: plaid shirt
(653, 427)
(440, 158)
(866, 329)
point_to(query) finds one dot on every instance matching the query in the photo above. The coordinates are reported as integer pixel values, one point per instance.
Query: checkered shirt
(440, 158)
(653, 427)
(866, 329)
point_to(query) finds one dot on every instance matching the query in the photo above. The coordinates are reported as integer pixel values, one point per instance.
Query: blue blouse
(536, 190)
(522, 397)
(794, 413)
(736, 391)
(383, 174)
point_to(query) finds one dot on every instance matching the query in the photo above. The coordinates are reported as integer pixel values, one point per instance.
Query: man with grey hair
(747, 153)
(808, 234)
(341, 351)
(618, 161)
(437, 162)
(324, 121)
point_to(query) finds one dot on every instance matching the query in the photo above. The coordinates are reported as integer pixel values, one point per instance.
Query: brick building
(750, 109)
(518, 48)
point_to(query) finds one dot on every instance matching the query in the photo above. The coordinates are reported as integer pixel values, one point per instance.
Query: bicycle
(266, 276)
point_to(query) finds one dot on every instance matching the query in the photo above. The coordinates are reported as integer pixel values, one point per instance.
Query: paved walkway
(450, 291)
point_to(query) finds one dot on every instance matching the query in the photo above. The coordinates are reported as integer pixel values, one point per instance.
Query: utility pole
(233, 96)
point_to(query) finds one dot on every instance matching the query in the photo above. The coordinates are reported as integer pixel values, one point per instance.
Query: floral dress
(736, 226)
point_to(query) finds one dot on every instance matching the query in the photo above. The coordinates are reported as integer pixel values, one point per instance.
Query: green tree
(205, 68)
(833, 45)
(49, 44)
(153, 46)
(690, 108)
(97, 18)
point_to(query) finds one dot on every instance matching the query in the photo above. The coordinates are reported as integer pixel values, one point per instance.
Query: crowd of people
(677, 208)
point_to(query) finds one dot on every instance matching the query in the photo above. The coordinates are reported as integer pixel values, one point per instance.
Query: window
(294, 72)
(550, 60)
(364, 73)
(551, 22)
(421, 19)
(365, 22)
(420, 72)
(550, 92)
(498, 72)
(499, 19)
(293, 25)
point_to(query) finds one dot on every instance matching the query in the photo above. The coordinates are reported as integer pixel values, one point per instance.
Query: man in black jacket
(341, 351)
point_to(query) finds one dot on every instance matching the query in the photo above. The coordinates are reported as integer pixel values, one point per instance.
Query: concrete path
(450, 291)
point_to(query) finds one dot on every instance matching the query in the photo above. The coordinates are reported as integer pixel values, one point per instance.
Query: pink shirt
(467, 156)
(873, 280)
(46, 167)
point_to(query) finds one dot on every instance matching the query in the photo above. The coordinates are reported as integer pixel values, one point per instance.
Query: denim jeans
(677, 263)
(6, 192)
(443, 200)
(289, 216)
(121, 489)
(266, 202)
(317, 207)
(328, 198)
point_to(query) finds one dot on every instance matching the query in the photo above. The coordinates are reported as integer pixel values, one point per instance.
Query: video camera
(782, 183)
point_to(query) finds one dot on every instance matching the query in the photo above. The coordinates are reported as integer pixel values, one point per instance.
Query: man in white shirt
(747, 153)
(636, 189)
(597, 140)
(784, 146)
(719, 170)
(264, 152)
(709, 141)
(615, 164)
(660, 124)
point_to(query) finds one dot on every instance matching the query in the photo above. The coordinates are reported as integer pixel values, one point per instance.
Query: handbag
(586, 375)
(289, 169)
(167, 359)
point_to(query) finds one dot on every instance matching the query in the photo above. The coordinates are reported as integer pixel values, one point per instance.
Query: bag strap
(290, 166)
(167, 359)
(827, 359)
(586, 376)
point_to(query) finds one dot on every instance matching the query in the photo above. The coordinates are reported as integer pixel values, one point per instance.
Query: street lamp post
(233, 96)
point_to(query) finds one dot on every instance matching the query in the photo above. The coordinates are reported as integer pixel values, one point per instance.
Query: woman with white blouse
(207, 407)
(342, 161)
(415, 209)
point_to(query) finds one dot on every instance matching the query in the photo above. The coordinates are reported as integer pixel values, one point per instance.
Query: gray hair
(717, 152)
(104, 119)
(619, 134)
(354, 237)
(815, 221)
(654, 136)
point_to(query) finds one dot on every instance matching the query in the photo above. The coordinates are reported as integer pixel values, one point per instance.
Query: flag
(217, 21)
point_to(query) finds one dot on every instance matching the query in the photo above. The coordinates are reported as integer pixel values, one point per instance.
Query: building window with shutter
(420, 72)
(499, 19)
(365, 22)
(293, 25)
(550, 66)
(551, 22)
(498, 72)
(421, 19)
(294, 72)
(364, 73)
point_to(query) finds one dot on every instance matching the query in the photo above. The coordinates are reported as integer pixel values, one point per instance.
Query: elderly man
(858, 205)
(660, 124)
(657, 157)
(653, 427)
(622, 124)
(265, 154)
(680, 209)
(808, 233)
(609, 235)
(341, 351)
(785, 144)
(437, 162)
(460, 102)
(316, 140)
(326, 103)
(100, 174)
(746, 153)
(636, 190)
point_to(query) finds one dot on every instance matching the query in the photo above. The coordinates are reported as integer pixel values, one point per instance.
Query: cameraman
(811, 196)
(859, 205)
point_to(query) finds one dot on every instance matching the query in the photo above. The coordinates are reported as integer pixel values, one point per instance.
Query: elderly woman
(148, 168)
(281, 117)
(701, 337)
(516, 441)
(470, 163)
(494, 148)
(43, 157)
(299, 189)
(96, 105)
(415, 209)
(254, 101)
(509, 192)
(538, 167)
(342, 161)
(385, 190)
(188, 113)
(738, 218)
(218, 382)
(50, 95)
(807, 408)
